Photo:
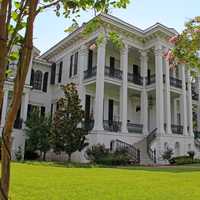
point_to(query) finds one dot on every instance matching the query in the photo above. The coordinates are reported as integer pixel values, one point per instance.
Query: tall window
(75, 63)
(37, 80)
(45, 82)
(71, 66)
(60, 72)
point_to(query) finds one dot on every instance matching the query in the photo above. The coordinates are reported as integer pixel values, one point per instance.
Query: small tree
(38, 131)
(67, 133)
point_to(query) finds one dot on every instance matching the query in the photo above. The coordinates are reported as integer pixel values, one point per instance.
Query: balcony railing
(113, 73)
(177, 129)
(18, 123)
(113, 126)
(89, 73)
(150, 79)
(134, 128)
(175, 82)
(136, 79)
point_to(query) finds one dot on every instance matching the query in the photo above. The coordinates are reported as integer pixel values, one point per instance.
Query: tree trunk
(69, 157)
(22, 69)
(3, 46)
(44, 156)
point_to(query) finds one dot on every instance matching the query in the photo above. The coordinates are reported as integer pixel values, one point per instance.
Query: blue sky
(49, 29)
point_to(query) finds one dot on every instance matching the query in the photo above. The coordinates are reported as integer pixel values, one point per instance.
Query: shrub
(30, 155)
(96, 153)
(181, 160)
(167, 155)
(191, 154)
(100, 155)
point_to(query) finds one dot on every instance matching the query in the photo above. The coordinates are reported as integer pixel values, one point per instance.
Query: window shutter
(53, 73)
(42, 111)
(76, 63)
(71, 65)
(45, 82)
(32, 77)
(60, 72)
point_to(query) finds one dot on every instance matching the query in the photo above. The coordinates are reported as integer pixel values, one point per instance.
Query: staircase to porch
(147, 154)
(132, 150)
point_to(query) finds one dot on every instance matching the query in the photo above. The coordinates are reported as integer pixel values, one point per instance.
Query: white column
(183, 101)
(198, 112)
(167, 99)
(82, 67)
(4, 108)
(189, 97)
(144, 96)
(124, 90)
(24, 107)
(98, 115)
(159, 89)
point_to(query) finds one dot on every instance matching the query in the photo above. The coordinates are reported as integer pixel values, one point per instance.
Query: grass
(34, 181)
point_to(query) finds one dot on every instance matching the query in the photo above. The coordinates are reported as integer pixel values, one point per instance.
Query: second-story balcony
(113, 73)
(136, 79)
(175, 82)
(150, 79)
(91, 72)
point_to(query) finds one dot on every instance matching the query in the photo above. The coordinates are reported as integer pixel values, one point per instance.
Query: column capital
(143, 54)
(124, 50)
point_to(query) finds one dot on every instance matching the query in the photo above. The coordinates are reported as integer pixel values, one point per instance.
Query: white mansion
(130, 96)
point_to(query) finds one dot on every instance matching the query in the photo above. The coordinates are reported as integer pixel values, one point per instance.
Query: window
(45, 82)
(76, 63)
(60, 72)
(32, 78)
(53, 73)
(37, 84)
(71, 65)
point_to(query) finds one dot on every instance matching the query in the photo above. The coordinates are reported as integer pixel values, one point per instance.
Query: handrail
(113, 73)
(90, 72)
(149, 139)
(133, 151)
(134, 128)
(136, 79)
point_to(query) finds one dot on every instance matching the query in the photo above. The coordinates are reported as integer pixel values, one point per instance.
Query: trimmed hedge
(182, 160)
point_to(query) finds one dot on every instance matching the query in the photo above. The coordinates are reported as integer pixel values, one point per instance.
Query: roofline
(117, 20)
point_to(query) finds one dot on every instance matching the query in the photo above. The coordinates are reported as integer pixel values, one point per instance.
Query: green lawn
(43, 182)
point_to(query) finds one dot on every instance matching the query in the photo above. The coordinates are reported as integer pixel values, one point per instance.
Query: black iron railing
(18, 123)
(113, 73)
(175, 82)
(134, 128)
(136, 79)
(113, 126)
(150, 138)
(150, 79)
(177, 129)
(133, 151)
(89, 73)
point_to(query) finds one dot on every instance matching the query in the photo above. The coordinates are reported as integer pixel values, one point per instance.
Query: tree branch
(47, 6)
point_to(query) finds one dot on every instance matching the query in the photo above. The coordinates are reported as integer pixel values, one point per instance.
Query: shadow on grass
(172, 169)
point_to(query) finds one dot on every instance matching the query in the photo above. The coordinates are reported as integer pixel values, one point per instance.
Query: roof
(116, 21)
